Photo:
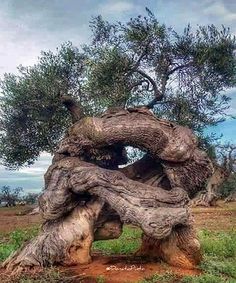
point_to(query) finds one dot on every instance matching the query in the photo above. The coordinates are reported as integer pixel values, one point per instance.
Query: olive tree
(87, 105)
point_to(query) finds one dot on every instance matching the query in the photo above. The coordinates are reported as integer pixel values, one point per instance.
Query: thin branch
(158, 98)
(157, 93)
(138, 83)
(179, 68)
(137, 63)
(73, 107)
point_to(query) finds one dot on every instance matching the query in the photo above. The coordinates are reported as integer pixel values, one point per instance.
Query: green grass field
(219, 248)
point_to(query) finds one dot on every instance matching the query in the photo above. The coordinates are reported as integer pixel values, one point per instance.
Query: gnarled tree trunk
(88, 197)
(210, 195)
(231, 197)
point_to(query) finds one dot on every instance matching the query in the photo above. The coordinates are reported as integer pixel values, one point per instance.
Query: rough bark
(181, 248)
(85, 200)
(231, 197)
(67, 240)
(209, 196)
(73, 107)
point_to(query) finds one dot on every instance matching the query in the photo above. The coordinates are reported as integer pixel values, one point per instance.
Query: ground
(114, 262)
(13, 218)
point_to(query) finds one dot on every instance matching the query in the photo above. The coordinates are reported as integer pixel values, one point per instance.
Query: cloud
(29, 26)
(116, 7)
(219, 9)
(232, 94)
(30, 178)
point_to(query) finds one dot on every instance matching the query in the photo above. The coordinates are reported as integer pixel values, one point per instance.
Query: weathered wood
(181, 248)
(231, 197)
(85, 197)
(209, 196)
(136, 127)
(66, 241)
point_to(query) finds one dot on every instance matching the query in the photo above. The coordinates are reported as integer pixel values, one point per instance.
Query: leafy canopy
(181, 76)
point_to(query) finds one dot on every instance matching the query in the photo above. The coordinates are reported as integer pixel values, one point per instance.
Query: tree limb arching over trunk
(88, 197)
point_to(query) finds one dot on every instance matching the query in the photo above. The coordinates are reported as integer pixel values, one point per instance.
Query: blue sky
(29, 26)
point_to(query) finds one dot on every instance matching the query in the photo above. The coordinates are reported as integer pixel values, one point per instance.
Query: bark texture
(209, 196)
(88, 197)
(231, 197)
(180, 248)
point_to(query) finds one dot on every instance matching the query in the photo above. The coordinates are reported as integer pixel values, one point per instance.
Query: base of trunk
(231, 197)
(67, 241)
(204, 200)
(181, 248)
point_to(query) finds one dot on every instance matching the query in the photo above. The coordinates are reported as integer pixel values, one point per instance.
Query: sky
(29, 26)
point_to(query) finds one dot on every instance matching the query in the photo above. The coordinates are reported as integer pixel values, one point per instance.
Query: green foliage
(160, 278)
(31, 198)
(15, 240)
(33, 118)
(128, 242)
(100, 279)
(206, 278)
(218, 244)
(49, 275)
(126, 64)
(186, 70)
(9, 195)
(228, 186)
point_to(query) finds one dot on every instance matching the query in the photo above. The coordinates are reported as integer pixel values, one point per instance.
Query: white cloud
(30, 178)
(114, 7)
(218, 9)
(32, 170)
(23, 35)
(27, 27)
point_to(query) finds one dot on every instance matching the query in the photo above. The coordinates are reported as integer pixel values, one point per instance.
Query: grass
(219, 262)
(50, 275)
(218, 265)
(206, 278)
(100, 279)
(160, 278)
(128, 243)
(12, 241)
(218, 244)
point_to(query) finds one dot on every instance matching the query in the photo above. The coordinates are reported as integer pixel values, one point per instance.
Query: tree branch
(179, 68)
(73, 107)
(157, 93)
(138, 84)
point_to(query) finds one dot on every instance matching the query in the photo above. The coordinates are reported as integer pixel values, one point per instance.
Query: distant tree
(226, 154)
(228, 189)
(222, 183)
(10, 196)
(181, 76)
(227, 158)
(31, 198)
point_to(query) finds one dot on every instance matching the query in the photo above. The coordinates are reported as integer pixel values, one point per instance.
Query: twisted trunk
(88, 197)
(231, 197)
(210, 195)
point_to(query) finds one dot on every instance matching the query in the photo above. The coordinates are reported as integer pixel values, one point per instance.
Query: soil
(219, 218)
(12, 218)
(119, 268)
